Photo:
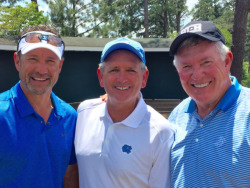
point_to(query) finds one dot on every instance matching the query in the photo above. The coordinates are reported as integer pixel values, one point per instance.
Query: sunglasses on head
(36, 37)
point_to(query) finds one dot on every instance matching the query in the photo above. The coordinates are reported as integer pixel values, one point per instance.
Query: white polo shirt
(134, 153)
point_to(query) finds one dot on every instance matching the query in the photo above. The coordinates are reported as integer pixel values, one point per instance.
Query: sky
(190, 4)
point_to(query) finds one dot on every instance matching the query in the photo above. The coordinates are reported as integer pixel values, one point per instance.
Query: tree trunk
(178, 16)
(165, 24)
(35, 1)
(146, 25)
(178, 21)
(239, 35)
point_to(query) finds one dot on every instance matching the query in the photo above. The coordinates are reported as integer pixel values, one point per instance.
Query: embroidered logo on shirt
(63, 134)
(126, 148)
(220, 142)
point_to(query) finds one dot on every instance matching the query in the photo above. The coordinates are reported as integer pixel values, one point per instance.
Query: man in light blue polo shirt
(36, 127)
(212, 140)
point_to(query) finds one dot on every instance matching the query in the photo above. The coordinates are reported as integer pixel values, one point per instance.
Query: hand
(104, 97)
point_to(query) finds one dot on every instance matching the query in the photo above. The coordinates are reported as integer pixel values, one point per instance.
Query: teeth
(39, 79)
(122, 88)
(201, 85)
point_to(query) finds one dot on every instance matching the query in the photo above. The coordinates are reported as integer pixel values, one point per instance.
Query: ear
(228, 61)
(16, 61)
(100, 77)
(145, 78)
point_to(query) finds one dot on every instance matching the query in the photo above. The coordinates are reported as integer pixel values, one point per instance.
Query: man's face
(38, 70)
(203, 74)
(122, 77)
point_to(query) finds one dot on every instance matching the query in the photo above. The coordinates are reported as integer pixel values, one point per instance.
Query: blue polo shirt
(214, 151)
(32, 153)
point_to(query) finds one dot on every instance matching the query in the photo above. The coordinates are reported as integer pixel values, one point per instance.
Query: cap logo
(192, 28)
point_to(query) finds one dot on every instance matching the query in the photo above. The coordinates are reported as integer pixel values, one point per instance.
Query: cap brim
(120, 46)
(177, 42)
(33, 46)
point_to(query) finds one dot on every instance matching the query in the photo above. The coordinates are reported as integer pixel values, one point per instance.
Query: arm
(160, 175)
(71, 179)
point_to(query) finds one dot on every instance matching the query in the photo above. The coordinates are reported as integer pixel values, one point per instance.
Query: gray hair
(192, 41)
(143, 66)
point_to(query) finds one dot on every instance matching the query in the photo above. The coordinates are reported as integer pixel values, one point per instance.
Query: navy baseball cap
(126, 44)
(204, 29)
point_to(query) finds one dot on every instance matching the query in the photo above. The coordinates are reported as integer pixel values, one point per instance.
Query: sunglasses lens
(32, 38)
(37, 37)
(55, 41)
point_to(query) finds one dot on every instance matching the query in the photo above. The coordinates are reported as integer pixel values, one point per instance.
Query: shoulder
(243, 102)
(90, 104)
(245, 94)
(180, 108)
(5, 99)
(61, 105)
(5, 96)
(159, 123)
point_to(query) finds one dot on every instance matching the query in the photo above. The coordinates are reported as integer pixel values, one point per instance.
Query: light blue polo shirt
(214, 151)
(33, 154)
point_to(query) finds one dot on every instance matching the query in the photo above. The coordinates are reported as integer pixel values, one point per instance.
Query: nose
(42, 67)
(122, 77)
(197, 73)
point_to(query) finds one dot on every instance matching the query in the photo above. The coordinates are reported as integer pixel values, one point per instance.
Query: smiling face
(203, 74)
(122, 77)
(38, 71)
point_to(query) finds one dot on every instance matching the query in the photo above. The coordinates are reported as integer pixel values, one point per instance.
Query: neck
(204, 111)
(42, 104)
(119, 112)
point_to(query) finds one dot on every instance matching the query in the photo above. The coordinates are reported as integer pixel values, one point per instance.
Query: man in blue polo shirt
(212, 140)
(36, 127)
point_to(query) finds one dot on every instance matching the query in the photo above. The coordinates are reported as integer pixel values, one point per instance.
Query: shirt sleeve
(72, 156)
(160, 176)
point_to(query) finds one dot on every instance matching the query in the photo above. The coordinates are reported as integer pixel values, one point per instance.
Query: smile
(39, 79)
(201, 85)
(122, 88)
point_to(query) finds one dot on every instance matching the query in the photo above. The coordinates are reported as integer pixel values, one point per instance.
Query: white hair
(192, 41)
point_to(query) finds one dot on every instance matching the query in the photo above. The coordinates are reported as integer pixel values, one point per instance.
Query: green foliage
(227, 35)
(115, 18)
(247, 43)
(126, 17)
(221, 12)
(14, 19)
(72, 17)
(9, 2)
(207, 10)
(245, 75)
(173, 35)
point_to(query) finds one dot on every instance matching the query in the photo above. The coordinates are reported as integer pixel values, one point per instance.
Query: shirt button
(201, 125)
(197, 140)
(48, 123)
(41, 121)
(107, 140)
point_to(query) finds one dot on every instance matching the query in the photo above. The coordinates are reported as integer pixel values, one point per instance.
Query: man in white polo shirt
(122, 142)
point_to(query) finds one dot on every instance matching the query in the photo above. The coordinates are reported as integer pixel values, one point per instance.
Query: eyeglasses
(36, 37)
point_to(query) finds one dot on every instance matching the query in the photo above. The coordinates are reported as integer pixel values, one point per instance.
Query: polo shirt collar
(228, 99)
(135, 118)
(23, 106)
(230, 96)
(59, 110)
